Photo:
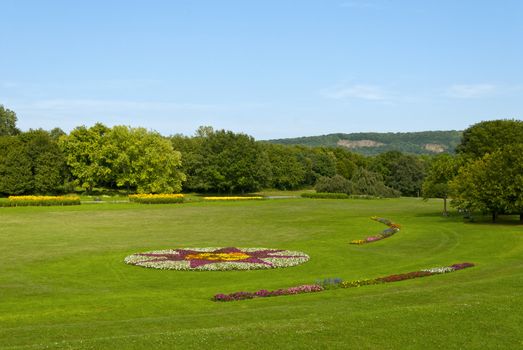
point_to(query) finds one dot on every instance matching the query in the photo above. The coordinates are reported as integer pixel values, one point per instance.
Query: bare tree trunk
(521, 218)
(445, 212)
(494, 216)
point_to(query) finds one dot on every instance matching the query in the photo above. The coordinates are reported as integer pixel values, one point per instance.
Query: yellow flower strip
(153, 196)
(229, 198)
(44, 198)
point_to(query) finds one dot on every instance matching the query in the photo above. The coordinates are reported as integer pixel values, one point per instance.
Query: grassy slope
(63, 283)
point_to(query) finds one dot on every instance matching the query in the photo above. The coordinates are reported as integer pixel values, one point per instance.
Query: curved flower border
(217, 259)
(393, 228)
(338, 283)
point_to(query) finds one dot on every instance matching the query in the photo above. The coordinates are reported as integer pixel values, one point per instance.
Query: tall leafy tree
(48, 166)
(142, 160)
(8, 122)
(223, 161)
(489, 136)
(15, 167)
(493, 183)
(318, 162)
(402, 172)
(287, 172)
(83, 149)
(442, 169)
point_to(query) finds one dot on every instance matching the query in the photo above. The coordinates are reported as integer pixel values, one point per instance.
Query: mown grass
(63, 283)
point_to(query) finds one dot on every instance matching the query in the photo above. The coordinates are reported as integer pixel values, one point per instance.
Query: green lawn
(63, 283)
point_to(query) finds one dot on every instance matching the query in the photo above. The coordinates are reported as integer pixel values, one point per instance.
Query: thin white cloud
(467, 91)
(362, 92)
(113, 105)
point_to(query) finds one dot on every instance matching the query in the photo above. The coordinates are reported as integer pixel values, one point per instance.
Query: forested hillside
(372, 143)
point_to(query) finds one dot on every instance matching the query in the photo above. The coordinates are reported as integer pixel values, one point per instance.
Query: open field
(63, 283)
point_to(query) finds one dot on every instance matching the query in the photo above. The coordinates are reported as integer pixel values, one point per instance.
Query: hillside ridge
(372, 143)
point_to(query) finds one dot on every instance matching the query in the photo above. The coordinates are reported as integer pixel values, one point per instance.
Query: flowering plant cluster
(214, 259)
(307, 288)
(231, 198)
(334, 283)
(164, 198)
(19, 201)
(393, 228)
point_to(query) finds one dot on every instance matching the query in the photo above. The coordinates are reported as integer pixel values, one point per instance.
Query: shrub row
(156, 198)
(25, 201)
(325, 195)
(237, 198)
(328, 195)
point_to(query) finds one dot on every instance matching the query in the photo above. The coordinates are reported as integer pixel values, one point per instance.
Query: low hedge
(324, 195)
(157, 198)
(26, 201)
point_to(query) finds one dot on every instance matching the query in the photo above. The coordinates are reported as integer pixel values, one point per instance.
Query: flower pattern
(229, 258)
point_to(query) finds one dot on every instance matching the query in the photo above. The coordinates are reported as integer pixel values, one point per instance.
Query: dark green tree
(365, 182)
(287, 172)
(48, 166)
(8, 122)
(223, 161)
(15, 167)
(402, 172)
(335, 184)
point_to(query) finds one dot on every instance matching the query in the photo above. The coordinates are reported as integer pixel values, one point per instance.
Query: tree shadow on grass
(475, 219)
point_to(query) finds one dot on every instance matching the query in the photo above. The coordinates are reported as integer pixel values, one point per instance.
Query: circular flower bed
(208, 259)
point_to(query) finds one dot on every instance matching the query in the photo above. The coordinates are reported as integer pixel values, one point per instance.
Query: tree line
(212, 161)
(485, 174)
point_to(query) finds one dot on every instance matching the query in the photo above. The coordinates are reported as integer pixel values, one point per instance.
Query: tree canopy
(8, 121)
(493, 183)
(489, 136)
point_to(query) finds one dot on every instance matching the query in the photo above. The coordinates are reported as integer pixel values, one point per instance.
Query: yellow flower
(162, 195)
(230, 198)
(44, 198)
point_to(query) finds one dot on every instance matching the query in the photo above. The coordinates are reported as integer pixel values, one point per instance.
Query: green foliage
(83, 149)
(223, 161)
(442, 169)
(142, 160)
(493, 183)
(335, 184)
(365, 182)
(489, 136)
(15, 167)
(125, 157)
(8, 122)
(402, 172)
(287, 171)
(347, 162)
(47, 161)
(409, 142)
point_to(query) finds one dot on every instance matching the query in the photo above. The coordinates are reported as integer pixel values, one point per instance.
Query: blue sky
(267, 68)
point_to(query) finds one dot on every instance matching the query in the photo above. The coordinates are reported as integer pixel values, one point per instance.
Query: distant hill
(372, 143)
